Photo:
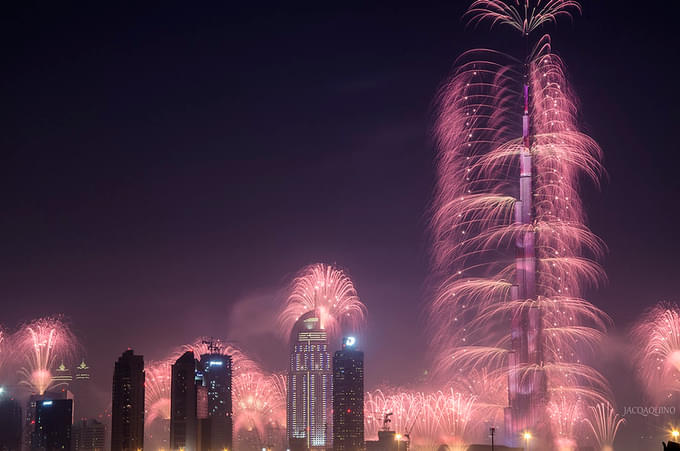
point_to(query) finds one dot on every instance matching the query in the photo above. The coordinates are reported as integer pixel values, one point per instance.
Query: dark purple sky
(166, 168)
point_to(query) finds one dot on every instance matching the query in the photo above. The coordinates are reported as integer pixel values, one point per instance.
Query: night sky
(167, 167)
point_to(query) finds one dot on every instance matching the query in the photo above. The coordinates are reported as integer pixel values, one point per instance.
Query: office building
(348, 397)
(10, 424)
(217, 378)
(88, 435)
(188, 402)
(309, 386)
(30, 439)
(127, 404)
(53, 420)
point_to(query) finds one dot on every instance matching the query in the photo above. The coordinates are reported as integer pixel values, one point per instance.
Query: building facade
(88, 435)
(127, 403)
(53, 420)
(310, 388)
(348, 397)
(217, 378)
(10, 425)
(184, 404)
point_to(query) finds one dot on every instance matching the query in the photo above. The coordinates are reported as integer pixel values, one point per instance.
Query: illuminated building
(52, 429)
(217, 378)
(82, 371)
(29, 437)
(62, 375)
(348, 397)
(309, 386)
(88, 435)
(127, 404)
(10, 424)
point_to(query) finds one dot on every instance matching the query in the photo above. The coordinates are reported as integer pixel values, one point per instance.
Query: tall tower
(309, 385)
(127, 403)
(217, 377)
(348, 397)
(184, 404)
(527, 381)
(53, 419)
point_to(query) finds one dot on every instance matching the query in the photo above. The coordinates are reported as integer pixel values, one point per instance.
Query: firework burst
(657, 356)
(330, 293)
(39, 344)
(510, 244)
(604, 422)
(258, 404)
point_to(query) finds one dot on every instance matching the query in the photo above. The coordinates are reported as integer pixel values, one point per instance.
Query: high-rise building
(217, 377)
(127, 405)
(62, 376)
(30, 438)
(348, 397)
(310, 388)
(53, 420)
(184, 407)
(201, 405)
(10, 424)
(88, 435)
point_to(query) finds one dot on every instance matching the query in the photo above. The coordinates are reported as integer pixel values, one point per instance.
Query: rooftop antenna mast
(214, 346)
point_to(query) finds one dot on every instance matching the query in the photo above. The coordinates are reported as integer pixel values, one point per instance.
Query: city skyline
(187, 193)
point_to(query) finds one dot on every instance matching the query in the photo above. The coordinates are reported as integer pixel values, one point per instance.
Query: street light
(527, 437)
(675, 434)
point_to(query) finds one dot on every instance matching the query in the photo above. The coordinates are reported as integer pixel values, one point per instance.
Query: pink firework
(511, 247)
(157, 390)
(657, 355)
(604, 422)
(328, 291)
(426, 420)
(39, 344)
(240, 362)
(258, 405)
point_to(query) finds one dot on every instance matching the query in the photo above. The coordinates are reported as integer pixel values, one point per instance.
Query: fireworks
(157, 390)
(328, 291)
(657, 356)
(427, 420)
(510, 244)
(604, 422)
(258, 404)
(41, 343)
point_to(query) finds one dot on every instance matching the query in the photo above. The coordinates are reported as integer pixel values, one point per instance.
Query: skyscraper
(348, 397)
(10, 424)
(53, 419)
(217, 377)
(88, 435)
(127, 405)
(309, 385)
(184, 404)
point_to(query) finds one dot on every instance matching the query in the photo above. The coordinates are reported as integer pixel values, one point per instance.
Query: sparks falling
(328, 291)
(604, 423)
(657, 355)
(40, 344)
(510, 241)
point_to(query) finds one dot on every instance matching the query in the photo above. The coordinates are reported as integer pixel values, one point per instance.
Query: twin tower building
(325, 399)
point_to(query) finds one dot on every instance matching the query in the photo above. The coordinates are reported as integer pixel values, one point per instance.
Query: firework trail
(258, 405)
(328, 291)
(427, 420)
(657, 356)
(509, 241)
(39, 344)
(157, 390)
(604, 422)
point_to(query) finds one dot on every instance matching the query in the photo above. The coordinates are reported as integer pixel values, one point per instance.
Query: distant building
(127, 404)
(201, 417)
(53, 420)
(10, 425)
(88, 435)
(62, 376)
(217, 378)
(82, 371)
(310, 387)
(348, 397)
